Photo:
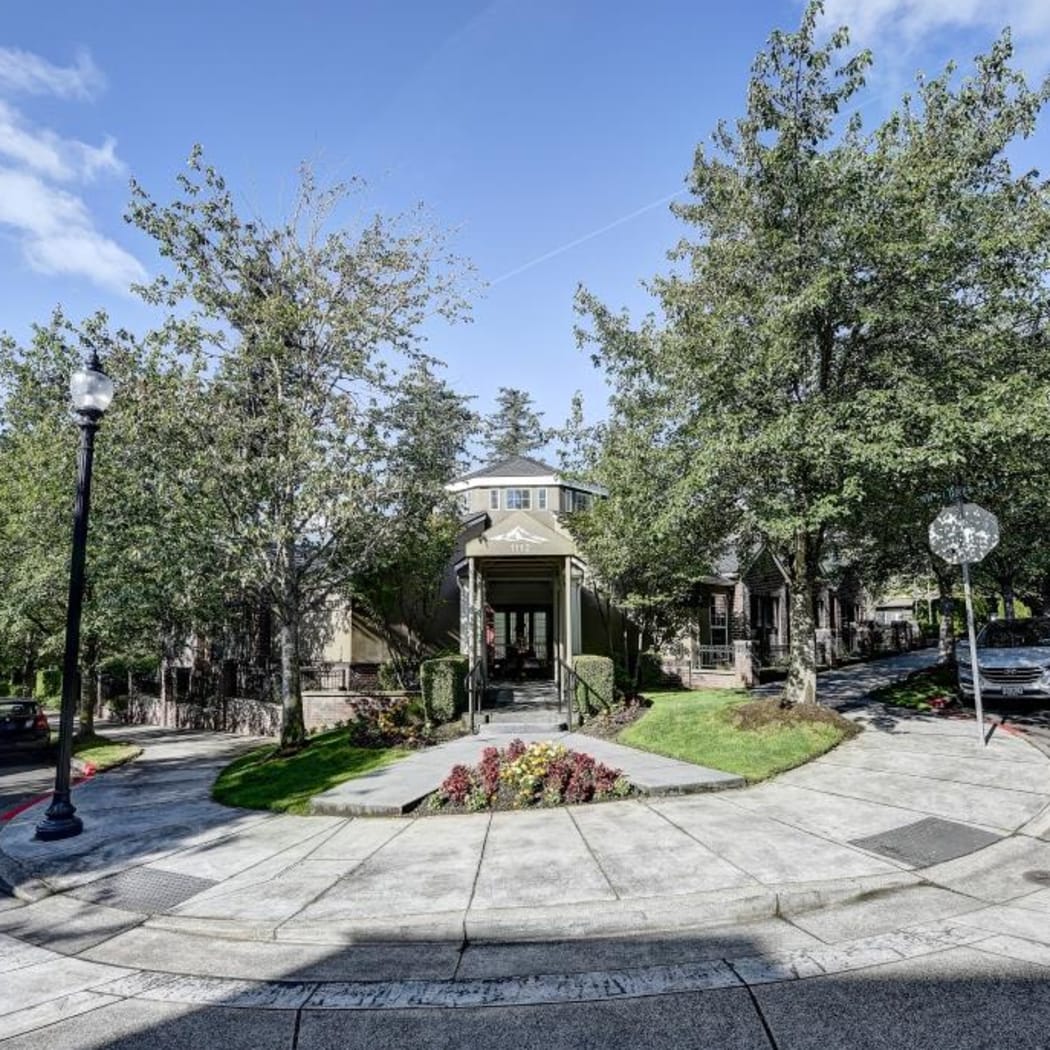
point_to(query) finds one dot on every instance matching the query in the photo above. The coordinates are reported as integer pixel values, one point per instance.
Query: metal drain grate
(143, 889)
(928, 841)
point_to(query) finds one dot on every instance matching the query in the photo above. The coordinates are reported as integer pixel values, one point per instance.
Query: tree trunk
(87, 703)
(1006, 587)
(293, 728)
(164, 698)
(801, 685)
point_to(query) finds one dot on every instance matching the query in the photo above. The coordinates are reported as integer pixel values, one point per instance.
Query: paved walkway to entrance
(394, 789)
(908, 841)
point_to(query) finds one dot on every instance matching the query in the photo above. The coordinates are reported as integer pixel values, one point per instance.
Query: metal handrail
(569, 680)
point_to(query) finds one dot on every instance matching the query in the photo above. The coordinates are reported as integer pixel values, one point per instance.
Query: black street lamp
(92, 391)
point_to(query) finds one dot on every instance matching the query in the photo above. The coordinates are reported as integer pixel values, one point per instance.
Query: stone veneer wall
(328, 709)
(245, 717)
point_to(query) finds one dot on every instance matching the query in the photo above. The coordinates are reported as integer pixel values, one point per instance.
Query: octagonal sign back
(963, 532)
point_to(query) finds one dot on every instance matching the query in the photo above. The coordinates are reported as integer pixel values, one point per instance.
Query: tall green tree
(428, 428)
(515, 428)
(305, 320)
(148, 584)
(849, 318)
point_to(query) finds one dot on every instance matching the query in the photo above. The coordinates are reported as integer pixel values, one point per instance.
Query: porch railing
(713, 657)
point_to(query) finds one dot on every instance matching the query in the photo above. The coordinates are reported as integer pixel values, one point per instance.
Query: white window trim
(525, 494)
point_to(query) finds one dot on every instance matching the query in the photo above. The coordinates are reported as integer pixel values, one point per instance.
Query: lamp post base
(60, 822)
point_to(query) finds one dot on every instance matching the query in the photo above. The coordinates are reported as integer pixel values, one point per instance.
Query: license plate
(1013, 690)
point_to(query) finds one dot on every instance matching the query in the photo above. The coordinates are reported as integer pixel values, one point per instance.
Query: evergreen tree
(515, 428)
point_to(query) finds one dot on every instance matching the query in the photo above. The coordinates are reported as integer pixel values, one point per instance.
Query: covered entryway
(520, 605)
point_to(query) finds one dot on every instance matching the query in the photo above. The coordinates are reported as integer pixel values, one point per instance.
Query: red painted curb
(89, 772)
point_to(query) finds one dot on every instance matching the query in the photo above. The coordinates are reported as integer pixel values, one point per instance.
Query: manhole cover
(143, 889)
(929, 841)
(1042, 877)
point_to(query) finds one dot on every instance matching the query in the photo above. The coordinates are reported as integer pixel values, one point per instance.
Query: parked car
(23, 725)
(1013, 660)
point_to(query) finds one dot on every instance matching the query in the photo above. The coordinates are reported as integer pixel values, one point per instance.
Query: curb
(579, 921)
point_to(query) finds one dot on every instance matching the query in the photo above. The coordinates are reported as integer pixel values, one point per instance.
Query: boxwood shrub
(595, 690)
(443, 682)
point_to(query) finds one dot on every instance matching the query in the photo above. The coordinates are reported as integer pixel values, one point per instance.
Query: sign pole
(978, 706)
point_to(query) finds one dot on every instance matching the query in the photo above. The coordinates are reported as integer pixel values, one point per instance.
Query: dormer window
(519, 499)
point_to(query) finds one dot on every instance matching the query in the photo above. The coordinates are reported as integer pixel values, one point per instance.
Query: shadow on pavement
(748, 987)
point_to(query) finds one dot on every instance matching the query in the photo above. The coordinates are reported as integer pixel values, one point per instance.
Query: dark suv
(23, 724)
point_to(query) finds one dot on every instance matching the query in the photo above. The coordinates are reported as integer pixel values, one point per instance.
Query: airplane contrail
(568, 246)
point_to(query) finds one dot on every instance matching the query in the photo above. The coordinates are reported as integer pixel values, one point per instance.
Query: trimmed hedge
(595, 690)
(48, 684)
(443, 682)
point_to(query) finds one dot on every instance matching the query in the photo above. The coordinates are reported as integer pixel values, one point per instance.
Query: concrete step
(517, 728)
(520, 718)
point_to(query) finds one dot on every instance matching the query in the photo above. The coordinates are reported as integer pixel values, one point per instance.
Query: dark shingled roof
(514, 467)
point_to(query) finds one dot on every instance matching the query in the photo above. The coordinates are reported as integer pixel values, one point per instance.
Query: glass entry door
(521, 642)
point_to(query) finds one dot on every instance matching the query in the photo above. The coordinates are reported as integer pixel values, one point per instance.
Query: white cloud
(24, 72)
(53, 223)
(58, 236)
(52, 155)
(912, 24)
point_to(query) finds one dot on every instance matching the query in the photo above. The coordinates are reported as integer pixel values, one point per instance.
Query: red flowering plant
(520, 775)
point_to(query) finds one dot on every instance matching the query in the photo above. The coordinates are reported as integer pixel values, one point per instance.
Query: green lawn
(726, 729)
(262, 780)
(102, 752)
(919, 689)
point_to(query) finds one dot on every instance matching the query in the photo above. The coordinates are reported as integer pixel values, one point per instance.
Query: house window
(519, 499)
(463, 502)
(493, 499)
(719, 614)
(581, 500)
(541, 499)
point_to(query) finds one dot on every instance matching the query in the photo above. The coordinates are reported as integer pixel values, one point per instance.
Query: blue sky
(550, 133)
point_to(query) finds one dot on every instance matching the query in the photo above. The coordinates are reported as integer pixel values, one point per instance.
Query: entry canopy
(520, 535)
(963, 532)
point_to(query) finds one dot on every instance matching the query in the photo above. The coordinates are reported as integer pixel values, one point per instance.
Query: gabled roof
(511, 467)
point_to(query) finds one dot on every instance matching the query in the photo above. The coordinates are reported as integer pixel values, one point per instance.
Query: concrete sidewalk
(907, 842)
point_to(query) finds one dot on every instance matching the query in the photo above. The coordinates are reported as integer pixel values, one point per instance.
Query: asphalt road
(1033, 721)
(23, 776)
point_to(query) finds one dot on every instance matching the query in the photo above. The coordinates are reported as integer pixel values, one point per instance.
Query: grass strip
(725, 729)
(919, 690)
(103, 753)
(263, 779)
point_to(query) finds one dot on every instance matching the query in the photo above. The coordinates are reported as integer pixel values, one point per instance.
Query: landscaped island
(728, 730)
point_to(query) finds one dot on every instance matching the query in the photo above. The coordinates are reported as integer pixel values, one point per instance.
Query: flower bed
(520, 776)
